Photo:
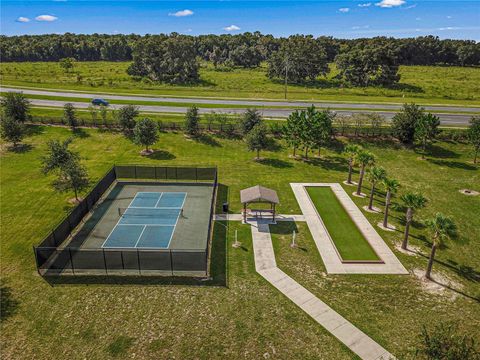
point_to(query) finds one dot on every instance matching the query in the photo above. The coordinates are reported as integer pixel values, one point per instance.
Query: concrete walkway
(325, 245)
(338, 326)
(238, 217)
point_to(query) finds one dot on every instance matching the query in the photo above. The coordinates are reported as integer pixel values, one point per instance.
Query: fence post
(105, 261)
(71, 260)
(138, 260)
(135, 167)
(36, 259)
(196, 174)
(121, 256)
(171, 261)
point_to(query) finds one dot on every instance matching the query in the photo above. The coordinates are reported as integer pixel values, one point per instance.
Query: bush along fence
(343, 126)
(54, 256)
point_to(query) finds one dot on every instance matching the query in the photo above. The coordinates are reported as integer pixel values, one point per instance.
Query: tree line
(245, 50)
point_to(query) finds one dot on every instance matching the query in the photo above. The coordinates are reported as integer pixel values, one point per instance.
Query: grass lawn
(348, 239)
(246, 318)
(421, 84)
(390, 308)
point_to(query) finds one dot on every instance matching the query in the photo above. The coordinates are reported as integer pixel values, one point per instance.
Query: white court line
(140, 236)
(178, 216)
(117, 223)
(145, 225)
(161, 194)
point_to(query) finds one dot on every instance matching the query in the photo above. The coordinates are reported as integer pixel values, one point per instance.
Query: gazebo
(255, 195)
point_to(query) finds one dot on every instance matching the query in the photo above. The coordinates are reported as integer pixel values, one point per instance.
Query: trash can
(225, 207)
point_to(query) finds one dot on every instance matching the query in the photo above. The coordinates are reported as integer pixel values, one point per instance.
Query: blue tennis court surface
(149, 221)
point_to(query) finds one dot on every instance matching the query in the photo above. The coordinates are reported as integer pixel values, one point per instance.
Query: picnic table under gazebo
(258, 195)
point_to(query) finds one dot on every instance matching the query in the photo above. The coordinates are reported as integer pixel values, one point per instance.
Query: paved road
(446, 119)
(257, 103)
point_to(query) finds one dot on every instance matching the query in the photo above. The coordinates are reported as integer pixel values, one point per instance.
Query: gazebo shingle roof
(258, 194)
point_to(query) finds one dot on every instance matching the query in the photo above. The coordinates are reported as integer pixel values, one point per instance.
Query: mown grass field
(348, 240)
(421, 84)
(247, 318)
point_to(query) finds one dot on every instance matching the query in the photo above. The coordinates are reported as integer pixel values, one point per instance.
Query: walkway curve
(265, 264)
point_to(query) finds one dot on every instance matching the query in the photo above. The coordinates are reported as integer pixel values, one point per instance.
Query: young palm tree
(364, 158)
(351, 150)
(412, 201)
(374, 175)
(391, 186)
(443, 228)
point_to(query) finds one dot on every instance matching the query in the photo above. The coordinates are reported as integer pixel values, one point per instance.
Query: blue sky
(339, 18)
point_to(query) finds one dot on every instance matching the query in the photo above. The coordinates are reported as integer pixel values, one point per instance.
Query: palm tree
(412, 202)
(374, 175)
(391, 187)
(351, 150)
(364, 158)
(443, 228)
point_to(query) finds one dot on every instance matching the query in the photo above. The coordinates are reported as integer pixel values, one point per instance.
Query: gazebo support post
(273, 212)
(245, 212)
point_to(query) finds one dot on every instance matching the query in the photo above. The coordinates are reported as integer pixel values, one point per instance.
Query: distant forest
(245, 50)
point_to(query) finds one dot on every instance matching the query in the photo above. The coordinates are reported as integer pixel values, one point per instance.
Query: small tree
(473, 134)
(69, 115)
(58, 155)
(446, 342)
(292, 130)
(376, 123)
(11, 130)
(250, 118)
(404, 122)
(364, 158)
(126, 117)
(15, 106)
(192, 118)
(375, 174)
(322, 128)
(443, 228)
(391, 186)
(426, 129)
(351, 151)
(104, 114)
(67, 64)
(145, 133)
(257, 139)
(93, 113)
(413, 202)
(73, 176)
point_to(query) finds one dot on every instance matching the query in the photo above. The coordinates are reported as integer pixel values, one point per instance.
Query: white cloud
(231, 28)
(365, 5)
(344, 10)
(410, 7)
(48, 18)
(360, 27)
(22, 19)
(449, 17)
(188, 30)
(182, 13)
(390, 3)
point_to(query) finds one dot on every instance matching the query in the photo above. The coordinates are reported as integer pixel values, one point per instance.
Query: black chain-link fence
(52, 258)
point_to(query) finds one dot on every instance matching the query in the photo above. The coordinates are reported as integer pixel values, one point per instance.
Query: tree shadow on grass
(20, 148)
(161, 155)
(8, 304)
(335, 163)
(80, 133)
(31, 130)
(453, 164)
(276, 163)
(207, 139)
(441, 152)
